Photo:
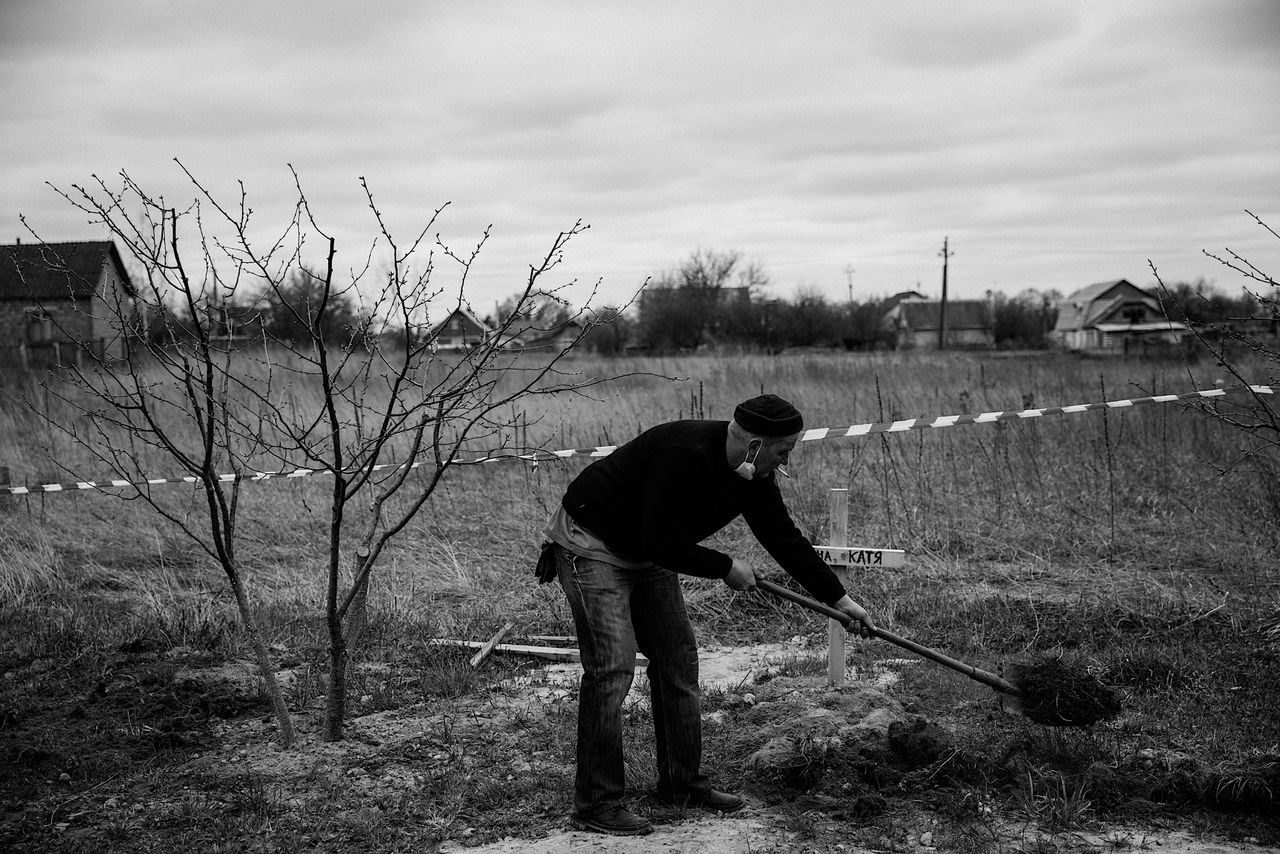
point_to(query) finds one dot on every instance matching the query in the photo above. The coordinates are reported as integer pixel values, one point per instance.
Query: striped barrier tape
(815, 434)
(1016, 415)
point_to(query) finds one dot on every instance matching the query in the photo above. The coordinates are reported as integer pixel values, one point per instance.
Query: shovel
(985, 677)
(1048, 693)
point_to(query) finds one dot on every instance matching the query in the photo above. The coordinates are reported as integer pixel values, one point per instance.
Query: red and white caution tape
(817, 433)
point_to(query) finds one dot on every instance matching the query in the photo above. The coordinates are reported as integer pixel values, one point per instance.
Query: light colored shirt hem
(562, 530)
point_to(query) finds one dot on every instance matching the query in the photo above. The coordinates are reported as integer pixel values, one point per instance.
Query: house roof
(465, 313)
(56, 270)
(534, 337)
(1090, 304)
(900, 296)
(961, 314)
(530, 333)
(1089, 293)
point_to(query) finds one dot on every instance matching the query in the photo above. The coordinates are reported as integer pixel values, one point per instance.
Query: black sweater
(658, 496)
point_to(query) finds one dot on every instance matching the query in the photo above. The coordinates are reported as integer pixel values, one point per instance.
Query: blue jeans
(615, 612)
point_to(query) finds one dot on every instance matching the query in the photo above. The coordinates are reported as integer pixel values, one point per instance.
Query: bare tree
(1022, 321)
(393, 415)
(612, 334)
(284, 311)
(1244, 339)
(701, 302)
(810, 320)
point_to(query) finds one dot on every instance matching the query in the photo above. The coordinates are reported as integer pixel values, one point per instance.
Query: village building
(915, 323)
(63, 302)
(460, 330)
(1114, 317)
(556, 337)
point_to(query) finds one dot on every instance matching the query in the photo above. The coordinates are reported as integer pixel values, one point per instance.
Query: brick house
(1114, 317)
(59, 300)
(913, 324)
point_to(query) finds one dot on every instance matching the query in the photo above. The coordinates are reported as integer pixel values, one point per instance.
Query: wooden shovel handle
(977, 674)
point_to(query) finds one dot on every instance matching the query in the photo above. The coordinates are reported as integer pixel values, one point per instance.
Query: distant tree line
(716, 300)
(1199, 303)
(282, 315)
(711, 301)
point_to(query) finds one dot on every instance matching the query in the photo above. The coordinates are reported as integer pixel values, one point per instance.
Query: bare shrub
(1247, 346)
(345, 379)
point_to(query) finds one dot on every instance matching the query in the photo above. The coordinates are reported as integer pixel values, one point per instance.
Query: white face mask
(747, 468)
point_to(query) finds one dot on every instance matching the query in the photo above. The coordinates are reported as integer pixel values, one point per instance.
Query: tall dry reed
(1073, 490)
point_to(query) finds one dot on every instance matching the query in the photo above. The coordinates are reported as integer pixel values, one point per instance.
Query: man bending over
(627, 526)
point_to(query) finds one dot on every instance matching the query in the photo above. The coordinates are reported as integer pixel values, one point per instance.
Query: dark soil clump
(918, 742)
(1054, 693)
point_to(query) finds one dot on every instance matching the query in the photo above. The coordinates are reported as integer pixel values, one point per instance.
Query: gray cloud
(1054, 144)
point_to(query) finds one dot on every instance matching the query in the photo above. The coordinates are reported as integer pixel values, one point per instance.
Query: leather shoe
(713, 800)
(615, 820)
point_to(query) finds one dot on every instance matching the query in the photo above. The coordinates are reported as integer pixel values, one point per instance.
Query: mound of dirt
(859, 733)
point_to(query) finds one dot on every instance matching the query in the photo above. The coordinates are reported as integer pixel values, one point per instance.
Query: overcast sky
(1054, 144)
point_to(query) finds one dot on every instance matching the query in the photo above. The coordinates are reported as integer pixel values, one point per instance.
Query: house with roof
(557, 337)
(914, 323)
(899, 297)
(1114, 317)
(62, 301)
(460, 330)
(554, 334)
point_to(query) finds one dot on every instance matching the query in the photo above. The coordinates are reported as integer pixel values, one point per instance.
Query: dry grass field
(1140, 543)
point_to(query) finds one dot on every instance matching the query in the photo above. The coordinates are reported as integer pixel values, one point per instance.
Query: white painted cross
(840, 556)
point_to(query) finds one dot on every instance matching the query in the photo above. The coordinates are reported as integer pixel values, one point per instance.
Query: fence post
(838, 535)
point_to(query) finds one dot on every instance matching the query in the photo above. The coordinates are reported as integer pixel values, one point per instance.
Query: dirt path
(862, 708)
(753, 835)
(694, 836)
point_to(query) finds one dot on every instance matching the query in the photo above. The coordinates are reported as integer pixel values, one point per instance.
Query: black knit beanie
(768, 415)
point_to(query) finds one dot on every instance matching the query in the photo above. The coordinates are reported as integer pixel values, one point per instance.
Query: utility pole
(942, 309)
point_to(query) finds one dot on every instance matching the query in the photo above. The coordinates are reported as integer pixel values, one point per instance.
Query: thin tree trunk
(266, 667)
(358, 614)
(335, 697)
(342, 646)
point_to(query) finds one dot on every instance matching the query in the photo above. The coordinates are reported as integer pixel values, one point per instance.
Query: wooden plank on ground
(490, 644)
(556, 653)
